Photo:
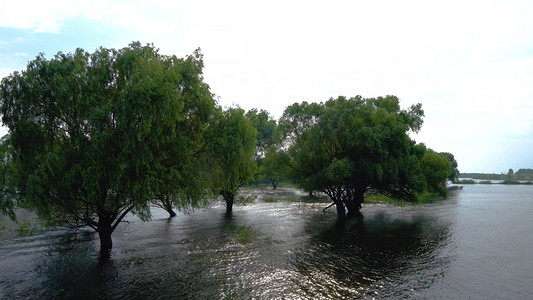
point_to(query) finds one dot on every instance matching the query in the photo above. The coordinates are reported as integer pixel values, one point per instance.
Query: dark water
(476, 244)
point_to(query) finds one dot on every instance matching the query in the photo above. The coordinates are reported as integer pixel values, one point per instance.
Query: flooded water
(475, 244)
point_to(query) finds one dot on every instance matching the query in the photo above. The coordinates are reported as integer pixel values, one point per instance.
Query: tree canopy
(453, 173)
(95, 136)
(265, 126)
(348, 147)
(436, 168)
(231, 159)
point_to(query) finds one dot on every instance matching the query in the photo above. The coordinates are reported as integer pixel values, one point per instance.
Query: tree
(265, 126)
(7, 191)
(436, 169)
(453, 173)
(524, 171)
(95, 136)
(232, 147)
(347, 148)
(185, 185)
(510, 172)
(273, 165)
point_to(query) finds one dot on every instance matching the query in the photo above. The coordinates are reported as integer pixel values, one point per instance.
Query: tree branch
(121, 217)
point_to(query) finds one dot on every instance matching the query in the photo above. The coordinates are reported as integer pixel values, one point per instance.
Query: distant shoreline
(498, 181)
(520, 175)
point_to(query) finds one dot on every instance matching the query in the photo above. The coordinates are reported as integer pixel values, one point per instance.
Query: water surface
(475, 244)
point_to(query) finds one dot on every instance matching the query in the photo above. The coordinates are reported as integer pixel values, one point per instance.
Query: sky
(470, 63)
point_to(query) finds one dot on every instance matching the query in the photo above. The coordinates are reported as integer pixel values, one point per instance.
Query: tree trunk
(229, 204)
(167, 205)
(341, 212)
(171, 213)
(168, 208)
(354, 205)
(105, 230)
(229, 197)
(274, 184)
(106, 243)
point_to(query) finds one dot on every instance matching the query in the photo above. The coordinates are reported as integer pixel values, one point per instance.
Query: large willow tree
(96, 136)
(347, 148)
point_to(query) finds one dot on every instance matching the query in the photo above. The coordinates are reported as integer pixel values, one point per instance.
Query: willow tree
(348, 148)
(97, 136)
(436, 168)
(184, 185)
(265, 126)
(231, 155)
(7, 189)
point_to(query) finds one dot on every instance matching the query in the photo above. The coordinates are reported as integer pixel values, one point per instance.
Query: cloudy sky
(470, 63)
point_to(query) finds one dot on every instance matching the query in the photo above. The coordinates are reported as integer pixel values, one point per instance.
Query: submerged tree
(265, 126)
(96, 136)
(273, 165)
(232, 148)
(347, 148)
(184, 186)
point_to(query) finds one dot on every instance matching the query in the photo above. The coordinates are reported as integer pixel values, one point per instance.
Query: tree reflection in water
(372, 256)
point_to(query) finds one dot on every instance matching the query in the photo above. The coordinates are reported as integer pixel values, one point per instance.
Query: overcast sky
(470, 63)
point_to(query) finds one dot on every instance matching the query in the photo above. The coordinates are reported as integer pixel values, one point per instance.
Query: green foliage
(436, 167)
(266, 156)
(510, 182)
(231, 157)
(27, 228)
(7, 189)
(346, 147)
(265, 125)
(524, 171)
(466, 181)
(272, 199)
(274, 165)
(242, 234)
(97, 135)
(245, 199)
(453, 173)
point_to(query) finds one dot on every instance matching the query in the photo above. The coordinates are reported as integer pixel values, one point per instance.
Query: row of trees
(93, 137)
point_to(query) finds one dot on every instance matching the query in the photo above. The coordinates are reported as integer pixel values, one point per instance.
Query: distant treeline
(524, 171)
(521, 174)
(472, 181)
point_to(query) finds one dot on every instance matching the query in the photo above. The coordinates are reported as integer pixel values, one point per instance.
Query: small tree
(347, 148)
(232, 147)
(453, 173)
(274, 165)
(96, 136)
(436, 169)
(265, 125)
